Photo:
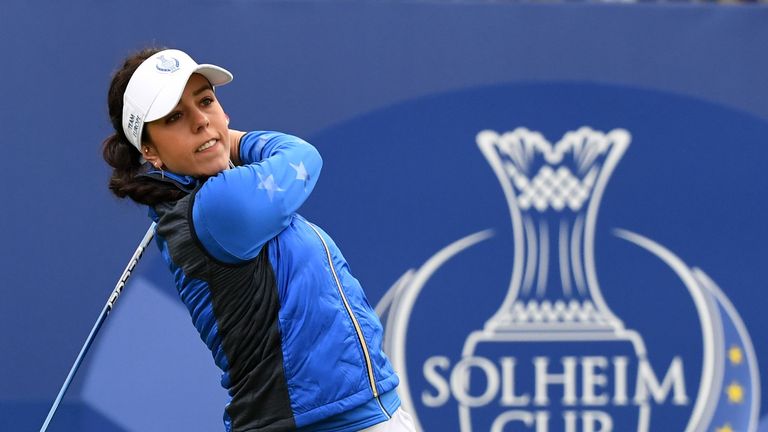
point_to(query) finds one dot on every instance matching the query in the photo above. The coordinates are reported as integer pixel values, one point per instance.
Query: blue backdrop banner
(558, 210)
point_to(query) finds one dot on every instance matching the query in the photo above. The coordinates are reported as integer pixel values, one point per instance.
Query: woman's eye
(207, 101)
(173, 117)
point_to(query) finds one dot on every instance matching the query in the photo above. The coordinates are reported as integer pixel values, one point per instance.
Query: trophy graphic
(554, 357)
(565, 358)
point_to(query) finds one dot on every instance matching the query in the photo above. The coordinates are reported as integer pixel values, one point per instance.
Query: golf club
(102, 317)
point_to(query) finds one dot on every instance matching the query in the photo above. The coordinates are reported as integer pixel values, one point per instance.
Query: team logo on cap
(167, 65)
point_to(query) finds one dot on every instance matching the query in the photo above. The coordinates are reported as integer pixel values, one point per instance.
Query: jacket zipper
(361, 340)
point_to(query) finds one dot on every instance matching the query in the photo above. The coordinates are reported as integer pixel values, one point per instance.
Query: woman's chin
(213, 168)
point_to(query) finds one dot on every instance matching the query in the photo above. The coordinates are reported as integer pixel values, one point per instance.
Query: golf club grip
(99, 321)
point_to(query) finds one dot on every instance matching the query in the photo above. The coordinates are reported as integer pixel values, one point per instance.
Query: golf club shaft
(102, 317)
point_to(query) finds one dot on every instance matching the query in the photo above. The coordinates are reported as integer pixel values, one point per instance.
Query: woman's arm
(236, 212)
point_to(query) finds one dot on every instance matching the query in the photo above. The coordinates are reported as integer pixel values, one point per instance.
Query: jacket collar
(185, 183)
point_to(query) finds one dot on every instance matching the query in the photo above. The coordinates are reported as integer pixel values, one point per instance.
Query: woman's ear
(151, 156)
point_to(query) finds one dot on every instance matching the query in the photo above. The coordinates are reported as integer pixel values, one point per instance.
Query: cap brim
(216, 75)
(170, 95)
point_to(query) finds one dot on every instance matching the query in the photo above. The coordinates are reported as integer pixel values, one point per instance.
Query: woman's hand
(234, 145)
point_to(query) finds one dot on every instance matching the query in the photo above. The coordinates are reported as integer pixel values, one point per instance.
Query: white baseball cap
(156, 86)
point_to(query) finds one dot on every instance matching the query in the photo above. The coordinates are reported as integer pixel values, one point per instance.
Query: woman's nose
(200, 120)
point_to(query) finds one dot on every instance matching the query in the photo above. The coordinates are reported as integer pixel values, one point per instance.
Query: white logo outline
(397, 304)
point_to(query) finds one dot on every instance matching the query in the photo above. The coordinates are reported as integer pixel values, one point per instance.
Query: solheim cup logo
(554, 357)
(167, 65)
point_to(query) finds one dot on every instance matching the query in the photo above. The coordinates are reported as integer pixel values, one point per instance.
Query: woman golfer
(269, 292)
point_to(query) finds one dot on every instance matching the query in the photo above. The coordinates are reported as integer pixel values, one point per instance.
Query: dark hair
(121, 155)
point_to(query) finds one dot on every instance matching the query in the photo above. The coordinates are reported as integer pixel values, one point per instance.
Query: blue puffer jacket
(273, 297)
